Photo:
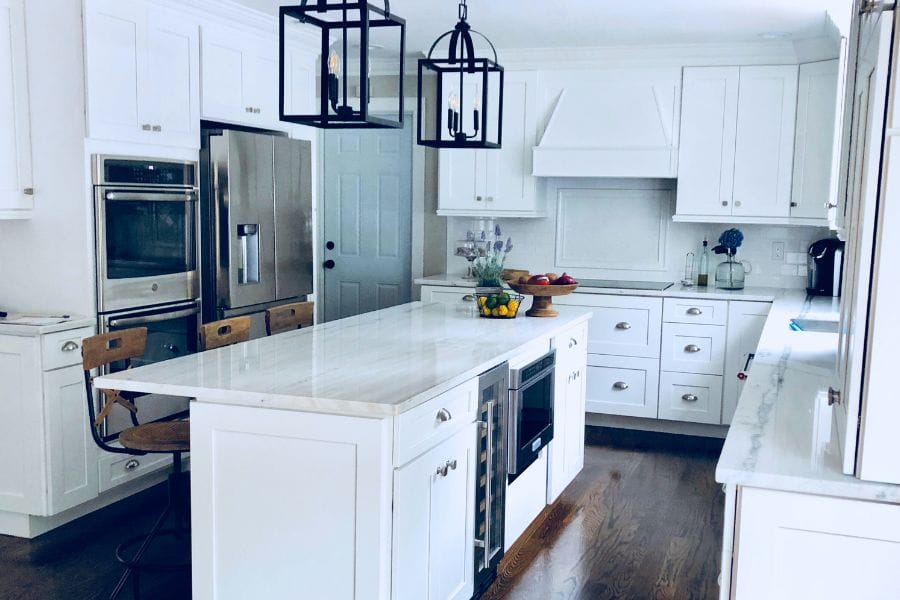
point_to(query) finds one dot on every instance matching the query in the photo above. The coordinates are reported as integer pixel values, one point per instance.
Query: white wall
(535, 240)
(46, 262)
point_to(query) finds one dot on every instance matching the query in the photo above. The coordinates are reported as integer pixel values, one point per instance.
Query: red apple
(538, 280)
(564, 279)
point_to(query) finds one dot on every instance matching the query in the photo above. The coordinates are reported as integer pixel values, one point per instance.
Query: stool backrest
(288, 317)
(101, 350)
(224, 333)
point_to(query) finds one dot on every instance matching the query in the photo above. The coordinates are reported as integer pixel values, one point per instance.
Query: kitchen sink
(814, 325)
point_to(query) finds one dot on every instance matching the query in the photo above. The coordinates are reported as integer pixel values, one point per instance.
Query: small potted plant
(731, 273)
(487, 268)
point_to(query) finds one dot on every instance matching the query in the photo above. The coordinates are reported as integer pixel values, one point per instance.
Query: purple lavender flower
(498, 246)
(470, 236)
(509, 245)
(497, 230)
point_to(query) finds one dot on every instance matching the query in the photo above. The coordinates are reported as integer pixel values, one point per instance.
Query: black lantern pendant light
(351, 37)
(466, 92)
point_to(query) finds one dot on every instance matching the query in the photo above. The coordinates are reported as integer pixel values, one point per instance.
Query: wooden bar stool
(224, 333)
(158, 437)
(289, 317)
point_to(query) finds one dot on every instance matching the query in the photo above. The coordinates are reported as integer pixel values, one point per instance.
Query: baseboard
(676, 427)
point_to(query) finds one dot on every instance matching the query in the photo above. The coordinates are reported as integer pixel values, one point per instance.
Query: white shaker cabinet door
(260, 79)
(173, 57)
(746, 321)
(434, 509)
(709, 106)
(16, 193)
(458, 181)
(764, 142)
(222, 74)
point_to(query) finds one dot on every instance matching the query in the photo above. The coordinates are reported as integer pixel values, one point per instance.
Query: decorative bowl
(498, 305)
(513, 274)
(542, 305)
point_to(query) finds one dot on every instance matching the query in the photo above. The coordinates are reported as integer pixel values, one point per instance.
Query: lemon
(486, 311)
(513, 306)
(502, 311)
(495, 312)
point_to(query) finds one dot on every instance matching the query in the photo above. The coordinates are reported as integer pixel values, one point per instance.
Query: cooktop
(626, 285)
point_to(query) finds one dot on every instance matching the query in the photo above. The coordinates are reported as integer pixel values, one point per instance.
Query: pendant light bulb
(453, 101)
(334, 63)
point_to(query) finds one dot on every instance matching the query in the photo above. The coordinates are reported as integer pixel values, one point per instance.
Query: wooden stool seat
(162, 436)
(224, 333)
(289, 317)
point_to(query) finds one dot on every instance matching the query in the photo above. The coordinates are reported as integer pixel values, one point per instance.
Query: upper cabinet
(143, 74)
(737, 143)
(815, 140)
(610, 123)
(240, 77)
(496, 182)
(16, 192)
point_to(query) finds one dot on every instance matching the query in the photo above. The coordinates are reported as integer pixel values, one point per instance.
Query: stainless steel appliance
(530, 411)
(146, 231)
(626, 285)
(824, 263)
(256, 223)
(171, 332)
(490, 476)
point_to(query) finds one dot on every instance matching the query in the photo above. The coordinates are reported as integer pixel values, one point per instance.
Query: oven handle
(153, 196)
(512, 443)
(128, 321)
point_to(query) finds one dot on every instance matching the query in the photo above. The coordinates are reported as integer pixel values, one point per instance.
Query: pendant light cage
(460, 94)
(358, 50)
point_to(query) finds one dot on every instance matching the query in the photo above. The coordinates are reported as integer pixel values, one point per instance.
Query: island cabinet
(143, 73)
(16, 191)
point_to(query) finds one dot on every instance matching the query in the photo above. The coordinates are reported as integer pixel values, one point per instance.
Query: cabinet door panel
(621, 325)
(745, 325)
(116, 51)
(15, 123)
(74, 477)
(457, 188)
(693, 348)
(260, 82)
(706, 151)
(508, 182)
(434, 523)
(21, 480)
(690, 397)
(618, 385)
(173, 78)
(222, 73)
(764, 144)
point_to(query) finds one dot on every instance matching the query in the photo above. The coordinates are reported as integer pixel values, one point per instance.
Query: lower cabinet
(789, 545)
(448, 295)
(622, 385)
(566, 453)
(746, 321)
(691, 397)
(434, 501)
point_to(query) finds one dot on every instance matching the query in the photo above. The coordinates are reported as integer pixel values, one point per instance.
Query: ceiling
(592, 23)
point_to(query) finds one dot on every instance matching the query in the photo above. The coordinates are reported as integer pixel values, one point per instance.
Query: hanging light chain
(463, 10)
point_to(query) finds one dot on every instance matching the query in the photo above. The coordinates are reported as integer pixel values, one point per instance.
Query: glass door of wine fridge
(490, 478)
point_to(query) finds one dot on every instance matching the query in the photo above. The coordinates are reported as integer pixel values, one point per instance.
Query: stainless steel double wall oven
(146, 230)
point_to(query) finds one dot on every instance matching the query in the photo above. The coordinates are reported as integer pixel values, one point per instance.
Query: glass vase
(730, 274)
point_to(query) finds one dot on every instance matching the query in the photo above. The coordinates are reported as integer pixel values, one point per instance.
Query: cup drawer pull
(690, 398)
(444, 415)
(692, 348)
(620, 385)
(132, 464)
(694, 311)
(623, 326)
(69, 346)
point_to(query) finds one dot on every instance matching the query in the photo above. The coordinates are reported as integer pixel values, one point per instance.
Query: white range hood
(613, 123)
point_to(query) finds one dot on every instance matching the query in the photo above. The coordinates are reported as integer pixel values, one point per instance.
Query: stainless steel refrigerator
(256, 223)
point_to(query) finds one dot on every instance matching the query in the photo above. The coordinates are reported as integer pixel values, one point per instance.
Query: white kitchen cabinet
(815, 139)
(746, 321)
(737, 141)
(690, 397)
(434, 512)
(496, 182)
(16, 186)
(45, 425)
(143, 74)
(790, 545)
(239, 78)
(689, 348)
(446, 294)
(621, 325)
(622, 385)
(566, 453)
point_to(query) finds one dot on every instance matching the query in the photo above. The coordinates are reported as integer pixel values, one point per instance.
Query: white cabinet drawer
(690, 310)
(690, 397)
(116, 469)
(618, 385)
(693, 348)
(621, 325)
(63, 348)
(423, 427)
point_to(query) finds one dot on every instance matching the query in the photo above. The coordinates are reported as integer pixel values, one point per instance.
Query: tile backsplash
(623, 229)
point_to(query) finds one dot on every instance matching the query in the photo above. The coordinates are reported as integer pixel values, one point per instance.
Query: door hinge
(868, 7)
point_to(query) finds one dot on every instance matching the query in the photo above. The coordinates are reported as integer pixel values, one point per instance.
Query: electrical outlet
(777, 250)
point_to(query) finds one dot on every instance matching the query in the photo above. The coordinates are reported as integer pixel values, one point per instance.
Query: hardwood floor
(642, 521)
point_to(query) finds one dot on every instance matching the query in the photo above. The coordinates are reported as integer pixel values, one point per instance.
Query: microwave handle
(129, 321)
(153, 196)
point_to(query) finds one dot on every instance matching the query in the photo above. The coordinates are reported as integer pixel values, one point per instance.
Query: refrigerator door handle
(248, 271)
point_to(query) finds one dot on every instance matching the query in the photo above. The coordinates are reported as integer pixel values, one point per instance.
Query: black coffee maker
(825, 261)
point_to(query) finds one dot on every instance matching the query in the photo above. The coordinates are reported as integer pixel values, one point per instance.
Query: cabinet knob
(572, 342)
(724, 202)
(620, 385)
(690, 398)
(452, 464)
(794, 205)
(28, 191)
(490, 198)
(737, 203)
(834, 396)
(157, 128)
(69, 346)
(444, 415)
(248, 109)
(132, 464)
(623, 326)
(146, 127)
(830, 205)
(478, 198)
(694, 311)
(692, 348)
(256, 111)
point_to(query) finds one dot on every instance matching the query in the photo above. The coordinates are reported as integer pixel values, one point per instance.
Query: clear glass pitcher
(730, 274)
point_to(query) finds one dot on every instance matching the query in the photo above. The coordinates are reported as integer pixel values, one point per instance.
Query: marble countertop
(19, 324)
(749, 294)
(377, 364)
(782, 436)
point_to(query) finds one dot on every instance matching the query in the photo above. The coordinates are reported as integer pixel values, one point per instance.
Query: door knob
(329, 264)
(329, 245)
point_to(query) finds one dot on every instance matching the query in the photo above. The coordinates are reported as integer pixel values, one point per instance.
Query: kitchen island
(300, 443)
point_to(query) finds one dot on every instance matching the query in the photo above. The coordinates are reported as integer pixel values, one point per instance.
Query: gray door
(368, 228)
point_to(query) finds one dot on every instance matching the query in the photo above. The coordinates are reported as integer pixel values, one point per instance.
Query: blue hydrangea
(732, 239)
